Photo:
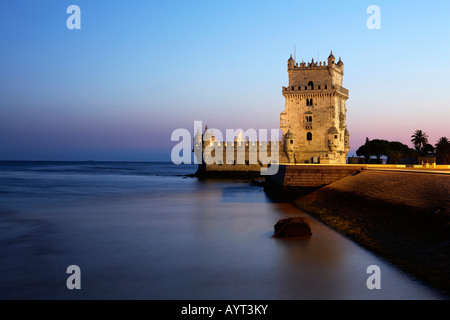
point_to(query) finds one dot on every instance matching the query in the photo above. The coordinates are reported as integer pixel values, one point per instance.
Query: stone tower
(313, 122)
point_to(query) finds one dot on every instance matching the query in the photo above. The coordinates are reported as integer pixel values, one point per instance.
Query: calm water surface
(145, 231)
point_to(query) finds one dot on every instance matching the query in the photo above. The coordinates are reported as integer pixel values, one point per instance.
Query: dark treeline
(394, 150)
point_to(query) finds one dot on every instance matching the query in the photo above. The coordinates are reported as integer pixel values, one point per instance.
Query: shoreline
(384, 213)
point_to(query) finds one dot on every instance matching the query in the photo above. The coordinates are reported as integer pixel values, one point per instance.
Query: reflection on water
(138, 235)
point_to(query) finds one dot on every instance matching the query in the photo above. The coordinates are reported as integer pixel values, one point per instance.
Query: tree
(364, 151)
(394, 150)
(428, 148)
(443, 151)
(379, 148)
(419, 140)
(397, 150)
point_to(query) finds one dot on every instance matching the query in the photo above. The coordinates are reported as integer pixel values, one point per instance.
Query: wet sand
(403, 217)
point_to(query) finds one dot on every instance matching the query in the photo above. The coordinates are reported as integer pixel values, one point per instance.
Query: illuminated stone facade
(314, 120)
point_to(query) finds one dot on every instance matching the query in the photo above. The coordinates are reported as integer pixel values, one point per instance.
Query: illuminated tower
(315, 112)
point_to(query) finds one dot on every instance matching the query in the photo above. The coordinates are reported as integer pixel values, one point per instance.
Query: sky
(117, 88)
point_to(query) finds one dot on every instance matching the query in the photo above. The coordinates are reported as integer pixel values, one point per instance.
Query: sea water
(151, 231)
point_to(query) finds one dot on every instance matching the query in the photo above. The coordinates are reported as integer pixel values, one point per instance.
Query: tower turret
(207, 137)
(333, 138)
(331, 59)
(198, 139)
(347, 140)
(289, 144)
(198, 146)
(291, 63)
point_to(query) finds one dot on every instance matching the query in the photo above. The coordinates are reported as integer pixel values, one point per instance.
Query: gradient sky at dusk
(116, 89)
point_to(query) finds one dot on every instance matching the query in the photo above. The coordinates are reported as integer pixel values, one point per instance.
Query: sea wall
(231, 171)
(292, 180)
(402, 216)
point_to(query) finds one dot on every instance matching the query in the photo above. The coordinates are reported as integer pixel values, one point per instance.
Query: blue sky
(137, 70)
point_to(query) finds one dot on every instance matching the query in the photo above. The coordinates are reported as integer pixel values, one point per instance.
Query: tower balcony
(307, 125)
(305, 89)
(342, 90)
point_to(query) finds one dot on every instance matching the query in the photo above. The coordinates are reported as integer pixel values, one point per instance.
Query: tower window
(311, 85)
(335, 136)
(292, 141)
(309, 136)
(308, 122)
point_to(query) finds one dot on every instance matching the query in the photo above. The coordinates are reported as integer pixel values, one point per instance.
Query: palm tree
(419, 140)
(443, 150)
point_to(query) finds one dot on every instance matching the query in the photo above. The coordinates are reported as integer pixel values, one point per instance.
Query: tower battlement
(314, 65)
(315, 75)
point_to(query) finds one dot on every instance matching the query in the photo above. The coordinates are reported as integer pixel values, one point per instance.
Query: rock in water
(292, 227)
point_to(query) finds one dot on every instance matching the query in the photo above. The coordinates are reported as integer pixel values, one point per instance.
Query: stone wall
(293, 176)
(402, 216)
(293, 181)
(236, 160)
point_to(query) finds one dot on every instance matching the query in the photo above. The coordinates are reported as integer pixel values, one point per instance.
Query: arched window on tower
(310, 85)
(309, 136)
(311, 102)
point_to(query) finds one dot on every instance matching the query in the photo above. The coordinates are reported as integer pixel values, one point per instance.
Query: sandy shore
(403, 217)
